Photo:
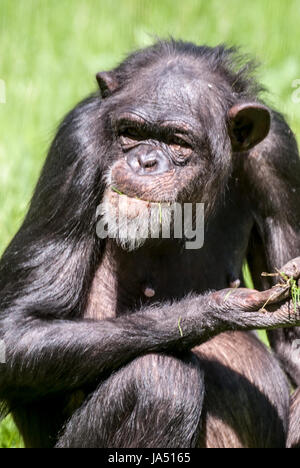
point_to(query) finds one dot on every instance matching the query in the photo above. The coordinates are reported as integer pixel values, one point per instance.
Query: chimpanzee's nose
(147, 162)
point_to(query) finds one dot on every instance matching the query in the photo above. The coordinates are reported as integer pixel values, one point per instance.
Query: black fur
(131, 380)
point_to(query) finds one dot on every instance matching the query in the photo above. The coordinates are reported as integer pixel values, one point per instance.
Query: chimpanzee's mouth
(130, 221)
(142, 199)
(148, 188)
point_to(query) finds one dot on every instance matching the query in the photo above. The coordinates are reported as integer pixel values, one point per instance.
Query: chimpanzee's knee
(154, 401)
(294, 422)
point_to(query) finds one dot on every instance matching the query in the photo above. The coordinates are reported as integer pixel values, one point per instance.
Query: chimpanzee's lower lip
(116, 191)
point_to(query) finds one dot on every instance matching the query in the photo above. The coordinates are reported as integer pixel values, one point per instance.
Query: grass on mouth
(114, 189)
(117, 191)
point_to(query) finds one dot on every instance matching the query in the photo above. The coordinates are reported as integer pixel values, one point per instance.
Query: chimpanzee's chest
(163, 271)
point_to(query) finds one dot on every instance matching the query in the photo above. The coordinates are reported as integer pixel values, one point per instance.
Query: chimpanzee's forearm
(51, 356)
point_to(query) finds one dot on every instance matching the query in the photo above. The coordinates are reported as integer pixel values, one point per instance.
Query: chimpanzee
(118, 341)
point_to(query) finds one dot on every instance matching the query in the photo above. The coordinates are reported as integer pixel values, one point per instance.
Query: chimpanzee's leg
(294, 427)
(39, 422)
(247, 397)
(154, 401)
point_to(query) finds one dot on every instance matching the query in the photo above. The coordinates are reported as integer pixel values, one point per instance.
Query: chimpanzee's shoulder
(280, 146)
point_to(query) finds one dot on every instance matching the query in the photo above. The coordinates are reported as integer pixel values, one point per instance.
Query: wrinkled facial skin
(174, 126)
(160, 125)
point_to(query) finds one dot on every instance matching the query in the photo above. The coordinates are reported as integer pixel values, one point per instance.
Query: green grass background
(50, 51)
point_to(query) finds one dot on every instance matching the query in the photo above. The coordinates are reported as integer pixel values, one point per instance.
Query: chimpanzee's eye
(127, 130)
(179, 145)
(129, 135)
(130, 132)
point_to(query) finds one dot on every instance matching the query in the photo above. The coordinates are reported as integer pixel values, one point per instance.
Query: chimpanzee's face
(162, 143)
(173, 137)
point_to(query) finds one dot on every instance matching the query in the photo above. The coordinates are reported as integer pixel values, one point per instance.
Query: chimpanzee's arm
(273, 170)
(48, 356)
(46, 272)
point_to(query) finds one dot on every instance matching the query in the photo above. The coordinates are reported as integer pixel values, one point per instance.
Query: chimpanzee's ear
(249, 124)
(107, 83)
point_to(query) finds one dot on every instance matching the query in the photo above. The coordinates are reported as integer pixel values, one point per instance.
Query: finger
(277, 294)
(250, 300)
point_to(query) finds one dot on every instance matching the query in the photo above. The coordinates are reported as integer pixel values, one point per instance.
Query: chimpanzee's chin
(131, 222)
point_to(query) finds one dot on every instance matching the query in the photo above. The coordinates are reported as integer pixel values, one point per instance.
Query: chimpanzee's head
(175, 113)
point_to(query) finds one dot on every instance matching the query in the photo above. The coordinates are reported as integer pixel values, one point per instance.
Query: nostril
(147, 161)
(150, 163)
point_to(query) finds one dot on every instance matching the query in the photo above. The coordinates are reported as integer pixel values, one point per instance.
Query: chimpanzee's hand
(276, 307)
(249, 300)
(289, 279)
